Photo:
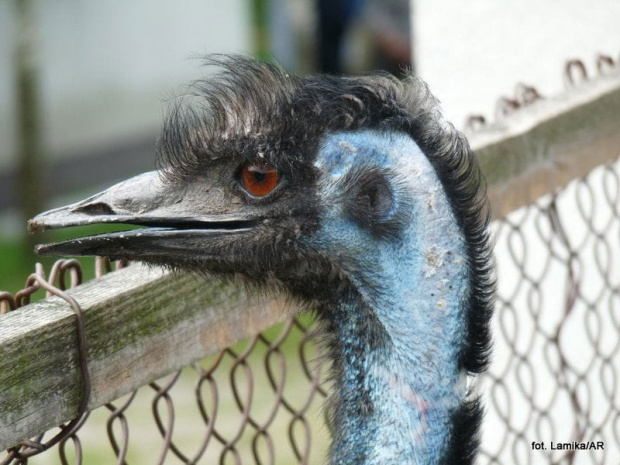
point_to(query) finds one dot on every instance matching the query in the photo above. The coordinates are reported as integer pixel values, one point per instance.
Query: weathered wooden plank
(141, 324)
(542, 147)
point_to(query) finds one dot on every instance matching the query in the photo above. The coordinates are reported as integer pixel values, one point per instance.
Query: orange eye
(259, 178)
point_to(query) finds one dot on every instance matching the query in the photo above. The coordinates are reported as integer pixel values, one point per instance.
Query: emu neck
(396, 348)
(396, 388)
(399, 327)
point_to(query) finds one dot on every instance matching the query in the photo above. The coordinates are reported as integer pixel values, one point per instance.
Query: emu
(354, 197)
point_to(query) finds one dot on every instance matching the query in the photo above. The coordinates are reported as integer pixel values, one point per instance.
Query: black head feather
(252, 109)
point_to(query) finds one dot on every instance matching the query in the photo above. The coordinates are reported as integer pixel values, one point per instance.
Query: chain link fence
(556, 363)
(553, 381)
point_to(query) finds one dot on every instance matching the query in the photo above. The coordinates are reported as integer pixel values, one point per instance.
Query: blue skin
(413, 381)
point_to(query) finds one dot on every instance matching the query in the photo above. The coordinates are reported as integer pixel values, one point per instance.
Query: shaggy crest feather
(253, 108)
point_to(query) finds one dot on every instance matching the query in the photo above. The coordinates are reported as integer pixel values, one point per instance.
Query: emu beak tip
(35, 226)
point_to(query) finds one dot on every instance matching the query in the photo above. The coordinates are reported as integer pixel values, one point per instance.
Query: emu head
(296, 181)
(332, 189)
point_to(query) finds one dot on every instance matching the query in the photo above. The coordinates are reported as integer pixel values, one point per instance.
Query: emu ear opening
(371, 201)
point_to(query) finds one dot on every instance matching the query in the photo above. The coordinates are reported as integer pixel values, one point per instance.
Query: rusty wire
(259, 401)
(575, 73)
(20, 452)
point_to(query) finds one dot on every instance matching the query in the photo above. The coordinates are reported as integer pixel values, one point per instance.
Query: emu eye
(259, 178)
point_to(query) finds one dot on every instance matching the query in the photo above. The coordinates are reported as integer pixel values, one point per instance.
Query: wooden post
(543, 146)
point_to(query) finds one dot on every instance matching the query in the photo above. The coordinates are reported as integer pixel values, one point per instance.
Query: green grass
(17, 259)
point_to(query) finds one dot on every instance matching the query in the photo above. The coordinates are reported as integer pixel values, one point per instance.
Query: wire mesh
(555, 371)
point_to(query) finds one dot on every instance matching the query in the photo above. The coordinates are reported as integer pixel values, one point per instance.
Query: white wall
(471, 52)
(106, 65)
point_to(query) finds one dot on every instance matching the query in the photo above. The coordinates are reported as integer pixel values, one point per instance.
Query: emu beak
(179, 221)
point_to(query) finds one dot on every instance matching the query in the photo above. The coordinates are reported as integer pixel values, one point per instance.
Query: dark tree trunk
(27, 113)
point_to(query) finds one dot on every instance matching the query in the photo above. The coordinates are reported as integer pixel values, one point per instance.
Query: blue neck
(396, 376)
(398, 330)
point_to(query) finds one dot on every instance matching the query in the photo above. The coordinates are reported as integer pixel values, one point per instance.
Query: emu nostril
(97, 208)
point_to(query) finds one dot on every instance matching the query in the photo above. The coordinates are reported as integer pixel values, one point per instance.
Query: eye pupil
(259, 178)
